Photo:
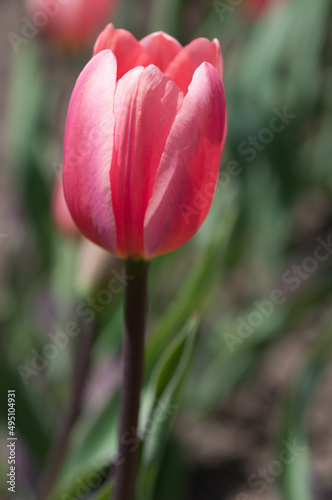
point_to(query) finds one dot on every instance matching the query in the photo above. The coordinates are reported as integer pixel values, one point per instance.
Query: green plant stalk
(133, 369)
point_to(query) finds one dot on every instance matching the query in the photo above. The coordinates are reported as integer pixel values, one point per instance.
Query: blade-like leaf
(294, 482)
(161, 403)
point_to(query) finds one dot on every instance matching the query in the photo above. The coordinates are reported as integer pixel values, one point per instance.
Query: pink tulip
(61, 215)
(70, 23)
(145, 130)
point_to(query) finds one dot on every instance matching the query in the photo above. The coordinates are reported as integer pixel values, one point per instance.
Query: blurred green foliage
(265, 219)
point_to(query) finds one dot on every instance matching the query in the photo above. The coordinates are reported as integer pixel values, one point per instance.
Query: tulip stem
(133, 369)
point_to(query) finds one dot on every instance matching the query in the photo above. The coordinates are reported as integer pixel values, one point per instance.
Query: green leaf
(99, 443)
(194, 292)
(94, 445)
(162, 398)
(174, 475)
(294, 482)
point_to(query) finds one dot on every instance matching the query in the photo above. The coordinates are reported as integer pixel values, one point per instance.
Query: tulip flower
(73, 24)
(144, 135)
(145, 130)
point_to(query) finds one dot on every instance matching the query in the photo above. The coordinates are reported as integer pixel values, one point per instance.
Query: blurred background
(238, 357)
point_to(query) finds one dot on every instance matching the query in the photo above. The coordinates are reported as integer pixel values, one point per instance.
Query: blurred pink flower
(70, 23)
(144, 135)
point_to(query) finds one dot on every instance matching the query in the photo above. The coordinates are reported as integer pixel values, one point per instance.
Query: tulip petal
(183, 66)
(162, 48)
(127, 50)
(146, 104)
(88, 150)
(188, 172)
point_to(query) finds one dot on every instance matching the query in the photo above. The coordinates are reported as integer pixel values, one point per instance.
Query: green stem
(133, 368)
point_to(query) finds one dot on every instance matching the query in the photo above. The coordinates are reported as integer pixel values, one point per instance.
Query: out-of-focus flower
(61, 215)
(145, 130)
(72, 24)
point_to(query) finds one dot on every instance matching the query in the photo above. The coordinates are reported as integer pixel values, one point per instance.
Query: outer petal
(162, 48)
(88, 150)
(146, 104)
(188, 171)
(127, 50)
(200, 50)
